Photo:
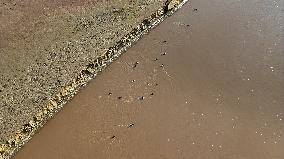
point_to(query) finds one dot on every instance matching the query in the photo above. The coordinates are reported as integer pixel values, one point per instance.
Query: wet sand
(206, 83)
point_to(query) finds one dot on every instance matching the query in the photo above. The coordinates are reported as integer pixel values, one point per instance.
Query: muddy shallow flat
(207, 83)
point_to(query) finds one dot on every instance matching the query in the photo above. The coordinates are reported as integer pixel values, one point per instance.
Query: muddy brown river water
(207, 83)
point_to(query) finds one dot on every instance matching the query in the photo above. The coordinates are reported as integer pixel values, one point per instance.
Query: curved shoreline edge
(55, 104)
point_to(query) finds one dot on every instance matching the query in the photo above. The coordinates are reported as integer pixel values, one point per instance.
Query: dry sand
(207, 83)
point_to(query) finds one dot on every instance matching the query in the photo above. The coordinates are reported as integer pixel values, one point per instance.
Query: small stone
(119, 97)
(135, 64)
(195, 9)
(109, 93)
(164, 41)
(142, 98)
(131, 125)
(152, 94)
(113, 137)
(53, 103)
(156, 59)
(162, 65)
(173, 4)
(163, 54)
